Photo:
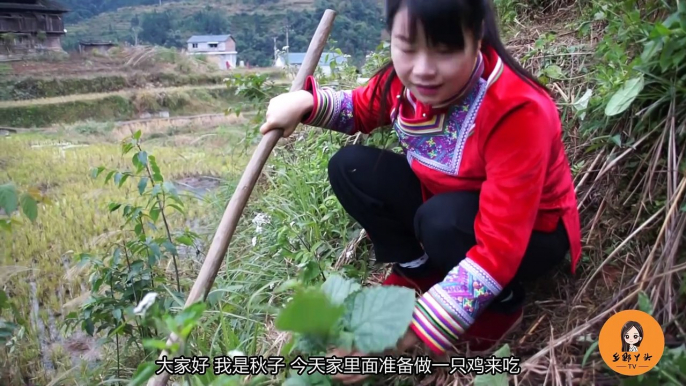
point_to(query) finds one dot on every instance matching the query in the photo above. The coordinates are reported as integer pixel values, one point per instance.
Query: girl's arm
(517, 154)
(348, 111)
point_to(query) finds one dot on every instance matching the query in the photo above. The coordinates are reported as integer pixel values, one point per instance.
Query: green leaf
(114, 206)
(288, 347)
(144, 372)
(171, 248)
(117, 178)
(590, 351)
(380, 316)
(155, 344)
(625, 96)
(338, 288)
(8, 198)
(499, 379)
(297, 380)
(668, 53)
(29, 206)
(95, 172)
(170, 188)
(185, 240)
(310, 312)
(137, 135)
(109, 176)
(89, 326)
(617, 140)
(143, 157)
(142, 184)
(651, 49)
(178, 208)
(346, 341)
(644, 303)
(554, 72)
(155, 213)
(123, 179)
(4, 300)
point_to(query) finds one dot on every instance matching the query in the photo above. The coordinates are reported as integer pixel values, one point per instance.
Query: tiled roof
(38, 5)
(208, 38)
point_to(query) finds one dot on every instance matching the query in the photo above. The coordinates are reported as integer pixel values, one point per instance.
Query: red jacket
(504, 140)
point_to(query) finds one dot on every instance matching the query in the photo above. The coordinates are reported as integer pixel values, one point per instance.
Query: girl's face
(433, 74)
(632, 336)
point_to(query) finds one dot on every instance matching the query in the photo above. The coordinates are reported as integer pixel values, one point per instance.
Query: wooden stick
(232, 214)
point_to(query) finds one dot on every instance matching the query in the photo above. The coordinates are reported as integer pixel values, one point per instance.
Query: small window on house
(195, 45)
(214, 45)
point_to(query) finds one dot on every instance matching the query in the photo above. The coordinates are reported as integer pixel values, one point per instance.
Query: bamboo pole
(234, 209)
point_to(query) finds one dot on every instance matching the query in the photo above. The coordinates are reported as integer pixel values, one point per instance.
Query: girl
(632, 336)
(482, 198)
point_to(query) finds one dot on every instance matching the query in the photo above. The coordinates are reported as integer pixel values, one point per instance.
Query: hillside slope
(254, 23)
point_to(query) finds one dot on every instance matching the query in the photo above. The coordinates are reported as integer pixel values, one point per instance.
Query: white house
(220, 49)
(296, 59)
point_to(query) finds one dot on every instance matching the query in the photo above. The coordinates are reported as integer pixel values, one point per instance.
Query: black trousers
(381, 192)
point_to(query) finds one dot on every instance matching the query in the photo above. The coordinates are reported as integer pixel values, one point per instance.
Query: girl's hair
(628, 326)
(444, 22)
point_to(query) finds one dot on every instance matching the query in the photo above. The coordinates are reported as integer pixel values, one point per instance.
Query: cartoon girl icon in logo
(632, 336)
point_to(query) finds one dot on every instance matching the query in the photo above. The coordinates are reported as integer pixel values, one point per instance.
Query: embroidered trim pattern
(441, 147)
(332, 110)
(449, 308)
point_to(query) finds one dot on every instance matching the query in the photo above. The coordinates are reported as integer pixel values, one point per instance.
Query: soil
(199, 185)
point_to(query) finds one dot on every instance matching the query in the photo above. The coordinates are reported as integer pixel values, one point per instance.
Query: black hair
(628, 326)
(444, 23)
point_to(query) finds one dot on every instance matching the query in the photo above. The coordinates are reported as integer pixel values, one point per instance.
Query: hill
(255, 24)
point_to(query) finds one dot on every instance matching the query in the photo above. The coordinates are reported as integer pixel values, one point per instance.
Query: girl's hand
(286, 111)
(409, 340)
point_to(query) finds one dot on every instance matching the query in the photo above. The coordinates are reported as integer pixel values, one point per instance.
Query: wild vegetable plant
(130, 269)
(341, 313)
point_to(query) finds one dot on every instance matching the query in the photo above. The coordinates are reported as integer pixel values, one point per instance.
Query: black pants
(381, 192)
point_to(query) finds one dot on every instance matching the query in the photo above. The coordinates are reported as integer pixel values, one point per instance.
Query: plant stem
(166, 226)
(116, 336)
(164, 219)
(135, 298)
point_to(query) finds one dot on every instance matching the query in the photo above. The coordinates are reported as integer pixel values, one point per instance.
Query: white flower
(261, 219)
(145, 303)
(348, 254)
(236, 353)
(254, 241)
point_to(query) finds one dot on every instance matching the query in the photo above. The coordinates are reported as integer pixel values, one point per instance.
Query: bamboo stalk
(234, 209)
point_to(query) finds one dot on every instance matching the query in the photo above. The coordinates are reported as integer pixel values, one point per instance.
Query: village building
(295, 60)
(31, 26)
(220, 49)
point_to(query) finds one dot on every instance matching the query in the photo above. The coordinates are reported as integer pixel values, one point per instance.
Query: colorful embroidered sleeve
(517, 153)
(346, 111)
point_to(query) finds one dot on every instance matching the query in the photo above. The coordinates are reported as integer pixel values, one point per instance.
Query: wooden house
(29, 26)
